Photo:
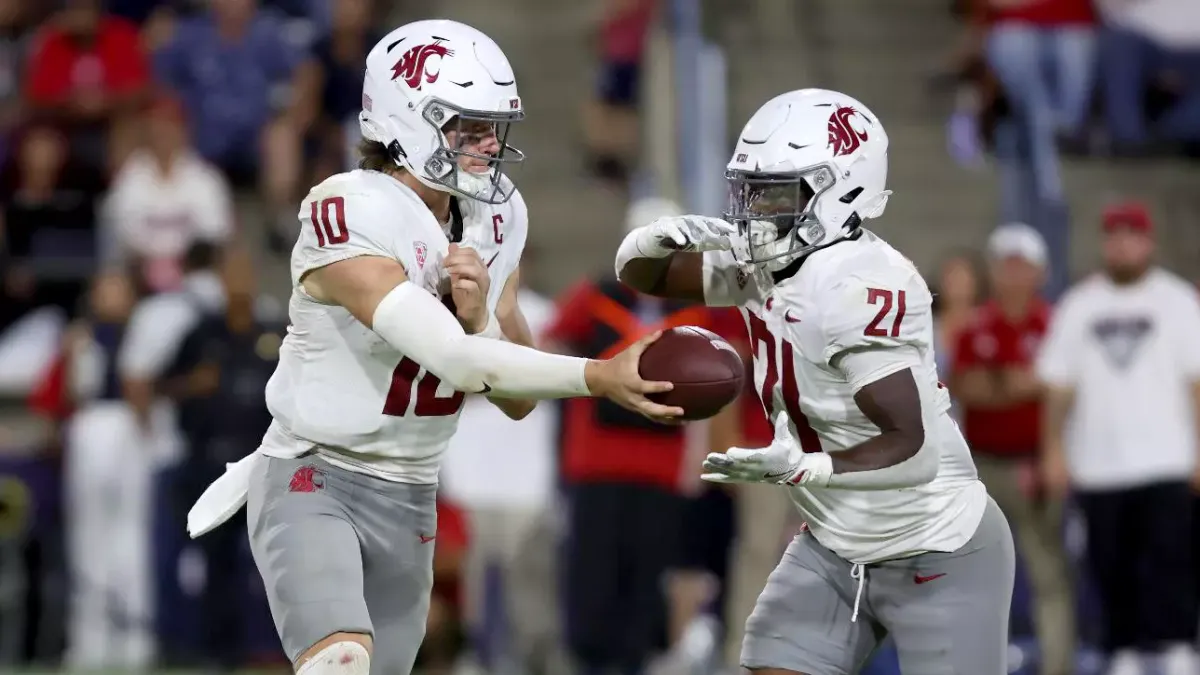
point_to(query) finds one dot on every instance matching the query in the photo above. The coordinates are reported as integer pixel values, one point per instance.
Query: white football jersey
(856, 295)
(340, 388)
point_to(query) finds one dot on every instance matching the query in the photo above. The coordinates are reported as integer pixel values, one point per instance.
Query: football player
(394, 317)
(901, 536)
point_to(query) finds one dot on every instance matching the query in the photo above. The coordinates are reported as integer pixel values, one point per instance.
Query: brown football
(705, 369)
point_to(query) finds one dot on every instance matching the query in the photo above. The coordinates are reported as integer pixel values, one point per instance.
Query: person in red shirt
(88, 73)
(994, 383)
(624, 478)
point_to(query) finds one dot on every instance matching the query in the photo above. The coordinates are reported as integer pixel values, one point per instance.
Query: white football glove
(694, 234)
(781, 463)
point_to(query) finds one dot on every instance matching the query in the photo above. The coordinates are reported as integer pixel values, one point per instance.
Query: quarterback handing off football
(705, 369)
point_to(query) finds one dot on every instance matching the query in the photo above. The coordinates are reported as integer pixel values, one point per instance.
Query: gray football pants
(947, 612)
(341, 551)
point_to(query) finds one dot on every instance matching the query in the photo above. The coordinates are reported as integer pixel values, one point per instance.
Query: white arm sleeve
(638, 244)
(419, 326)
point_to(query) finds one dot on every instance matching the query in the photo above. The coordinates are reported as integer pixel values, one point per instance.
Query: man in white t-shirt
(1121, 364)
(501, 471)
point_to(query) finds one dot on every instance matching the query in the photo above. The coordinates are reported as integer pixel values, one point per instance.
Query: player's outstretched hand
(617, 379)
(778, 463)
(469, 284)
(694, 234)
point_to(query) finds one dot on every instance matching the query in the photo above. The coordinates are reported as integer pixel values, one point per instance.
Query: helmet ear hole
(396, 152)
(852, 223)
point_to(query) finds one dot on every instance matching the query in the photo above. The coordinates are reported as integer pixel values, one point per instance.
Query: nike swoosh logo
(425, 538)
(486, 389)
(787, 316)
(798, 478)
(918, 579)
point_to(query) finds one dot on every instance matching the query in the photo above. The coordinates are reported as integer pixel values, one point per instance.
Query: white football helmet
(427, 75)
(808, 168)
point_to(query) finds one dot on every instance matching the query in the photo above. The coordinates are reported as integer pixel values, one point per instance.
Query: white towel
(223, 498)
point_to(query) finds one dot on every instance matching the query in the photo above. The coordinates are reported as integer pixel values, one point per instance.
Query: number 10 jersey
(340, 388)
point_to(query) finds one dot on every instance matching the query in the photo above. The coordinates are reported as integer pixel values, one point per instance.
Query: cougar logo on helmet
(843, 137)
(413, 67)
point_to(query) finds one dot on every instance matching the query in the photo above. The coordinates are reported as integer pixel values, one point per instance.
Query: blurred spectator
(1042, 52)
(624, 477)
(153, 339)
(164, 199)
(88, 73)
(500, 472)
(1000, 396)
(108, 476)
(610, 120)
(341, 56)
(161, 322)
(1144, 44)
(217, 380)
(49, 220)
(697, 581)
(249, 94)
(14, 46)
(443, 628)
(138, 12)
(1122, 369)
(955, 297)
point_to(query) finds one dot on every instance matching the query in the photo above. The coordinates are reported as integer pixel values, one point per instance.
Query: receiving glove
(694, 234)
(780, 463)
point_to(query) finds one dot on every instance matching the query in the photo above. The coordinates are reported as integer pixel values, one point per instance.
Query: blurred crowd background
(152, 158)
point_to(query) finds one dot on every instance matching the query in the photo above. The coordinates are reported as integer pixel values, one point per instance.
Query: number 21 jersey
(860, 294)
(339, 387)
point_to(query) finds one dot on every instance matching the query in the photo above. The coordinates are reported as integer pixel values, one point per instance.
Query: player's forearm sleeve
(417, 325)
(639, 244)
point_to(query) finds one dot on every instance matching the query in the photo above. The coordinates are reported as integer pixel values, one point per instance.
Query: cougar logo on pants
(307, 479)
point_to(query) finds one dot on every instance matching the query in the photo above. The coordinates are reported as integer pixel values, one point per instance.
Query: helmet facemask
(488, 183)
(774, 214)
